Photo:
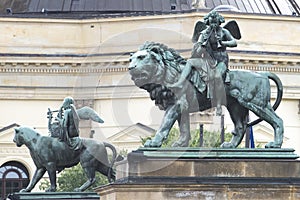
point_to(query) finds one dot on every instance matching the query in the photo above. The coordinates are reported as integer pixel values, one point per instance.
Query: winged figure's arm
(230, 41)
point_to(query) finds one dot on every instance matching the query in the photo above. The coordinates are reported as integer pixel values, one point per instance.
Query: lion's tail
(279, 86)
(110, 174)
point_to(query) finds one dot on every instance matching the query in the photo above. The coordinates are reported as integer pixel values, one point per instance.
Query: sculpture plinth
(54, 196)
(195, 173)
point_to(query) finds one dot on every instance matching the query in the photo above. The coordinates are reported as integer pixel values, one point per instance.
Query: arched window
(13, 177)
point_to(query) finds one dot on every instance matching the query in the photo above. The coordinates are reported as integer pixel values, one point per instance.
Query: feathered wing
(233, 28)
(75, 121)
(199, 27)
(87, 113)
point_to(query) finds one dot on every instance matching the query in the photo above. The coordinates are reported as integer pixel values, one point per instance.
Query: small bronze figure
(69, 123)
(66, 124)
(211, 41)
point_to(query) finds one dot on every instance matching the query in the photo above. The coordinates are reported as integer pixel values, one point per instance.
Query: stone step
(255, 153)
(54, 196)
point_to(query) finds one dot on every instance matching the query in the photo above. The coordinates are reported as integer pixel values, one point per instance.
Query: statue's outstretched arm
(230, 41)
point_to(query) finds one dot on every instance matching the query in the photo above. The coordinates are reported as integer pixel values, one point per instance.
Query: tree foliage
(72, 178)
(210, 139)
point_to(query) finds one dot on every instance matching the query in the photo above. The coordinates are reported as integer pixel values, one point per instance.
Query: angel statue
(210, 42)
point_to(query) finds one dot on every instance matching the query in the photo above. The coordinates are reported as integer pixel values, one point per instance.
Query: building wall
(44, 60)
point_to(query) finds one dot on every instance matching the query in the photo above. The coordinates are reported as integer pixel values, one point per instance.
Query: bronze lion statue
(51, 155)
(155, 66)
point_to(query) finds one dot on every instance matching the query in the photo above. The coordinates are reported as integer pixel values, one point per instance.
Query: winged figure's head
(214, 19)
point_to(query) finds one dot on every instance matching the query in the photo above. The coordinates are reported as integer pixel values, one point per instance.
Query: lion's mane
(170, 58)
(171, 62)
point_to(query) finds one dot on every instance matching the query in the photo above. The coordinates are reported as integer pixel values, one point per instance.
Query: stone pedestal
(195, 173)
(54, 196)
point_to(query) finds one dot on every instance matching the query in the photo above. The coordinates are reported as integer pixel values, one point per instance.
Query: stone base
(185, 191)
(54, 196)
(194, 173)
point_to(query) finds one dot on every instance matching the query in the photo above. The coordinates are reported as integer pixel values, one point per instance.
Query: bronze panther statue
(51, 155)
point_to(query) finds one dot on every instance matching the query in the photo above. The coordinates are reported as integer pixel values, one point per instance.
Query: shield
(75, 118)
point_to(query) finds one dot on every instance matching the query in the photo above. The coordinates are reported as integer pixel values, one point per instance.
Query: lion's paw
(147, 143)
(272, 145)
(152, 143)
(23, 190)
(51, 189)
(176, 144)
(227, 145)
(180, 144)
(77, 190)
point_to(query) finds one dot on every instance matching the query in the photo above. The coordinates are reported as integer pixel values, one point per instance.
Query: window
(13, 177)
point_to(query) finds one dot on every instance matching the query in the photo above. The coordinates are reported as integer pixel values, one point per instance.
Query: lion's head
(155, 63)
(23, 135)
(153, 67)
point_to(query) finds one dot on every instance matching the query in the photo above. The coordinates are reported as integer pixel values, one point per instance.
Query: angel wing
(199, 27)
(233, 28)
(75, 121)
(87, 113)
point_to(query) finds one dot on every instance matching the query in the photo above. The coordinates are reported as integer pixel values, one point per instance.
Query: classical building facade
(46, 55)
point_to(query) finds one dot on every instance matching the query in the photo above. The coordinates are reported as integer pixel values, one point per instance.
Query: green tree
(210, 139)
(72, 178)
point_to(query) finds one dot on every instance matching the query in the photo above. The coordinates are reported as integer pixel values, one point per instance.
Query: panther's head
(25, 135)
(18, 139)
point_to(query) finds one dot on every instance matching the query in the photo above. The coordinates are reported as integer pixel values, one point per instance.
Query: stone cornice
(121, 66)
(63, 68)
(272, 67)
